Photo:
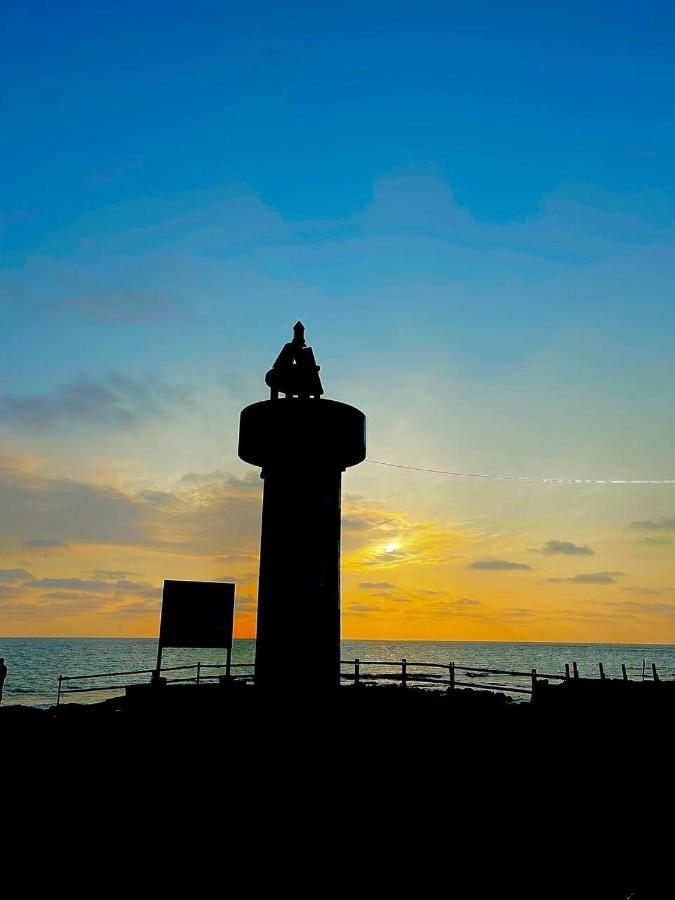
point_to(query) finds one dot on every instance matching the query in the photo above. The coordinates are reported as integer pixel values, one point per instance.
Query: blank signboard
(197, 614)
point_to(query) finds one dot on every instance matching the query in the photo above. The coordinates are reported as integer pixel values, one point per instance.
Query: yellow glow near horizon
(410, 570)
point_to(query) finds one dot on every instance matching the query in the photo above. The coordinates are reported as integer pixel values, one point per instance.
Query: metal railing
(197, 678)
(403, 673)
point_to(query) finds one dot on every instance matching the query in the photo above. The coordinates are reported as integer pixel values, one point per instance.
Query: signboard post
(196, 614)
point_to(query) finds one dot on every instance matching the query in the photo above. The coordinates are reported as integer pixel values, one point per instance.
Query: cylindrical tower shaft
(299, 584)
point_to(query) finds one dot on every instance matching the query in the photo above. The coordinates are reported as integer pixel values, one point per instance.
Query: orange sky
(87, 557)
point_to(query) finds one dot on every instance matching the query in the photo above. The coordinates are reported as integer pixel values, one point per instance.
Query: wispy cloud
(245, 603)
(497, 565)
(377, 537)
(73, 511)
(655, 609)
(664, 524)
(389, 557)
(440, 610)
(360, 609)
(114, 400)
(462, 606)
(45, 543)
(200, 519)
(565, 548)
(89, 586)
(245, 578)
(14, 575)
(590, 578)
(648, 591)
(28, 597)
(112, 574)
(235, 559)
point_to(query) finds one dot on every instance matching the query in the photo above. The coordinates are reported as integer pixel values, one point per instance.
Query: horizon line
(103, 637)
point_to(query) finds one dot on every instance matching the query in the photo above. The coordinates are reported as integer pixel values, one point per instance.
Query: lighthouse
(303, 443)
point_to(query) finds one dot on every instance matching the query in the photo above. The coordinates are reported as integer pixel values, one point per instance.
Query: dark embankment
(384, 789)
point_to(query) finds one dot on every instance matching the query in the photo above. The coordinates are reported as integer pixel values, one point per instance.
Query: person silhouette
(295, 372)
(3, 675)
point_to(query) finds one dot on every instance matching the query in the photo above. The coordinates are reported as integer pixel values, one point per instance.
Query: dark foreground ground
(371, 792)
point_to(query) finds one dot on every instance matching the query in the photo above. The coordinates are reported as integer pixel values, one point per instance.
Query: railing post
(199, 668)
(58, 691)
(602, 671)
(567, 671)
(575, 669)
(534, 681)
(452, 675)
(404, 672)
(357, 671)
(624, 673)
(228, 662)
(654, 672)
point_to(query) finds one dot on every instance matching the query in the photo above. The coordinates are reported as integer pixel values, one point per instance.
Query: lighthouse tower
(303, 443)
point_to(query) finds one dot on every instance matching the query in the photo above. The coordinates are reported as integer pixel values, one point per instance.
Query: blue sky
(128, 119)
(470, 205)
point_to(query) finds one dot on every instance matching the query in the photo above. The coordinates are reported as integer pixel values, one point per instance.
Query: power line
(532, 478)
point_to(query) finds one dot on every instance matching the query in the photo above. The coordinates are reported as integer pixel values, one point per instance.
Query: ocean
(35, 663)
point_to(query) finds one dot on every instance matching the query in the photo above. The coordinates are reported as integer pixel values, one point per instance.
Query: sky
(472, 209)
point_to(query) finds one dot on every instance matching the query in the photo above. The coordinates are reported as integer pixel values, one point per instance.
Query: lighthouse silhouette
(303, 443)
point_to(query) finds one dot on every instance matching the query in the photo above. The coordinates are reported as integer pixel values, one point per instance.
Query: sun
(389, 548)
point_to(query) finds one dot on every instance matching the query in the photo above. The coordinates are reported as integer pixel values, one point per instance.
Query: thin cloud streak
(114, 401)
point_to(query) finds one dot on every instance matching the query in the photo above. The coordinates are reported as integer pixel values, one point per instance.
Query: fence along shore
(404, 674)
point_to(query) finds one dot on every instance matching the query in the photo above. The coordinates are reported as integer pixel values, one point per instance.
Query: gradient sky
(470, 206)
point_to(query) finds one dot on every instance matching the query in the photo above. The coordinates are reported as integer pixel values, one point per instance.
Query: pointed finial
(299, 333)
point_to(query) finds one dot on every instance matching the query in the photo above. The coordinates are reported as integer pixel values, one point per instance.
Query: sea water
(34, 664)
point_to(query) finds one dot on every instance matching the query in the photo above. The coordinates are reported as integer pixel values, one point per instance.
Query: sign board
(197, 614)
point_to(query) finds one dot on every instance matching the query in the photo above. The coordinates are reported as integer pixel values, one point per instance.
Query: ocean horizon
(34, 664)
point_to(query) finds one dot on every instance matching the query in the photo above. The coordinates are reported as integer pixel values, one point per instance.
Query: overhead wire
(537, 479)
